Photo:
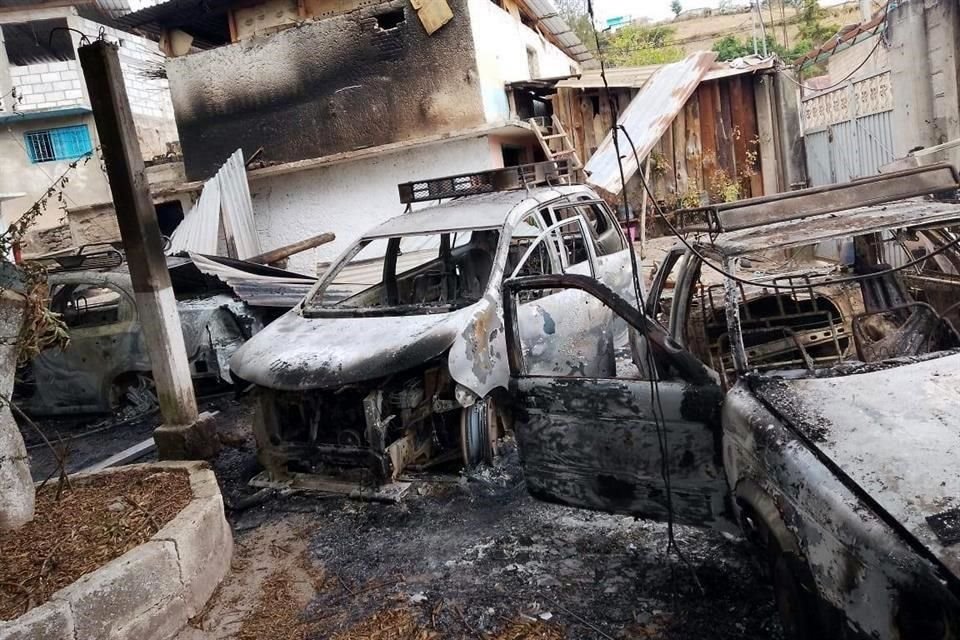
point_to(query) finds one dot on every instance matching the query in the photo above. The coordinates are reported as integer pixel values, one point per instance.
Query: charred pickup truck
(794, 374)
(397, 358)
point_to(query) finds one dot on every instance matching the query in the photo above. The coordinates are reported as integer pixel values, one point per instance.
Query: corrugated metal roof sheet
(646, 119)
(225, 198)
(258, 290)
(618, 77)
(200, 229)
(236, 207)
(636, 77)
(549, 18)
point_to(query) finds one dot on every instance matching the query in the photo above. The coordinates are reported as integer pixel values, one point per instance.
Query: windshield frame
(311, 308)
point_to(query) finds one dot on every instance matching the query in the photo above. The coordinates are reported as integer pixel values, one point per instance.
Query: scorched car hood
(895, 432)
(296, 353)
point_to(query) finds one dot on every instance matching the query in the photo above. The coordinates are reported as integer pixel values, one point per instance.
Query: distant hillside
(699, 33)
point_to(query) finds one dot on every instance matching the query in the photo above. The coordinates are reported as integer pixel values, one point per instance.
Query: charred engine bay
(467, 555)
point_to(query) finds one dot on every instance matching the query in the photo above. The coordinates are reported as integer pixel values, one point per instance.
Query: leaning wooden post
(137, 220)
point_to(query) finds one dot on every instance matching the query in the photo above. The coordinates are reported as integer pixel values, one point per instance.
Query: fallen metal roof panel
(256, 289)
(237, 208)
(830, 226)
(647, 118)
(200, 229)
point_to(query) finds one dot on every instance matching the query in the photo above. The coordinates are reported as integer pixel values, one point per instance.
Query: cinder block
(63, 85)
(38, 68)
(205, 546)
(50, 77)
(138, 593)
(53, 96)
(50, 621)
(57, 66)
(30, 78)
(73, 94)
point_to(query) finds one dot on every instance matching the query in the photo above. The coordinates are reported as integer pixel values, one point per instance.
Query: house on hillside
(338, 101)
(890, 89)
(46, 122)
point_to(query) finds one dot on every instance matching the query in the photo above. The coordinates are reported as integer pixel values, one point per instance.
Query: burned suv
(397, 357)
(795, 374)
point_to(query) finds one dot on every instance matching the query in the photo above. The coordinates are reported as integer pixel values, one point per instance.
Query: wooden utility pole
(137, 219)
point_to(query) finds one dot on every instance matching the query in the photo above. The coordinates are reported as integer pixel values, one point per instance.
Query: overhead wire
(656, 409)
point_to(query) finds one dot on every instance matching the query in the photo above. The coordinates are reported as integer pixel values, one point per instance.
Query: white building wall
(352, 197)
(504, 49)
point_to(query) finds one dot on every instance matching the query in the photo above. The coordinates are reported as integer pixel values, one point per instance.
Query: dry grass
(531, 630)
(93, 522)
(394, 624)
(278, 613)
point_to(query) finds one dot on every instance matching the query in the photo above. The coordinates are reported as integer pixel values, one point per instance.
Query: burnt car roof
(841, 224)
(486, 211)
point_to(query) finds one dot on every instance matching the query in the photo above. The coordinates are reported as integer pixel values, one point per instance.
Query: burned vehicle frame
(106, 365)
(812, 404)
(396, 360)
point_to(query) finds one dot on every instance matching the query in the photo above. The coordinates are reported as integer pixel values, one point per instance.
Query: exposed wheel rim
(476, 429)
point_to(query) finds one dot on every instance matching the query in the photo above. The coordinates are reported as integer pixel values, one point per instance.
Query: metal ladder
(550, 135)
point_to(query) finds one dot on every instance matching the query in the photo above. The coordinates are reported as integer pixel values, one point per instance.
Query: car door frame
(692, 410)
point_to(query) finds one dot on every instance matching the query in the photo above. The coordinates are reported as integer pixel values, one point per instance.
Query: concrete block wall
(48, 85)
(149, 96)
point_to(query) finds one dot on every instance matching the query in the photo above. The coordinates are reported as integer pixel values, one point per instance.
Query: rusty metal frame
(805, 203)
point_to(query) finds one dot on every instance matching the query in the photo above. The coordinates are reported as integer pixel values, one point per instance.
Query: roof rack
(88, 257)
(793, 205)
(524, 176)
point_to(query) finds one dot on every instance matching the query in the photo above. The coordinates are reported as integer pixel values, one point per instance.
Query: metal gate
(848, 131)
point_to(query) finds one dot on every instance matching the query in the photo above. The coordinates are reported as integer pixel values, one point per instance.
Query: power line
(656, 409)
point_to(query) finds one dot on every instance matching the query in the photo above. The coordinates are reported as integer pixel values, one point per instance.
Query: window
(422, 272)
(86, 305)
(63, 143)
(605, 234)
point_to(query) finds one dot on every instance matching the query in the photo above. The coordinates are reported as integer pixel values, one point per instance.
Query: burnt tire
(478, 431)
(796, 595)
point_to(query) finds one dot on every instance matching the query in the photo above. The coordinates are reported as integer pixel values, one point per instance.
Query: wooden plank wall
(710, 154)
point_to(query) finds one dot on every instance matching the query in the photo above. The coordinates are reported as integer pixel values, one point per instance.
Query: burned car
(397, 356)
(794, 375)
(106, 364)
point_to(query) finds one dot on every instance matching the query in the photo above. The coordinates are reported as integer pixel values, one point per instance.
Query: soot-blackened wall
(336, 85)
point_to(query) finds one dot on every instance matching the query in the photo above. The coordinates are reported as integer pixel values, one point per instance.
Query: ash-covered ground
(471, 553)
(462, 556)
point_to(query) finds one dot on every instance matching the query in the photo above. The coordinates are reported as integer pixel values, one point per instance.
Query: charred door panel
(595, 443)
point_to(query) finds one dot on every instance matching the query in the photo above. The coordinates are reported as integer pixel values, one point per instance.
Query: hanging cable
(846, 77)
(656, 408)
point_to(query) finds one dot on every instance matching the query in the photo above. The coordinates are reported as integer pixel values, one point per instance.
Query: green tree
(574, 13)
(730, 47)
(636, 45)
(676, 7)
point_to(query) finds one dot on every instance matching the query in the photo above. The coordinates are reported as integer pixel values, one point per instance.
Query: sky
(655, 9)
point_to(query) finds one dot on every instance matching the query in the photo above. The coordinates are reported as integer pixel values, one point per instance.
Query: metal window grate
(63, 143)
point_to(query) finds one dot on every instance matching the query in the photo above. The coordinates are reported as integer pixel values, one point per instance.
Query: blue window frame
(62, 143)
